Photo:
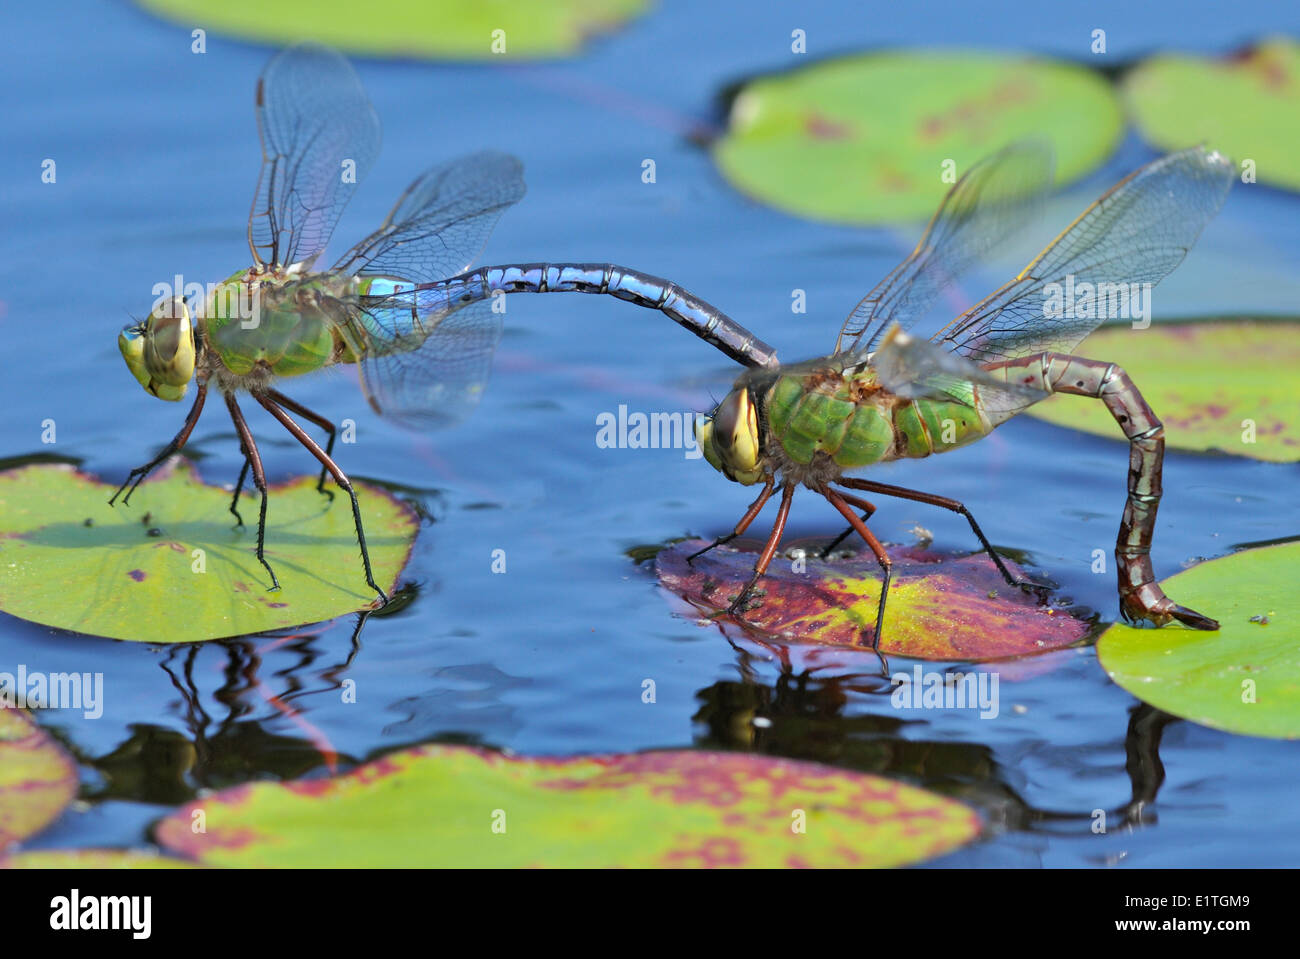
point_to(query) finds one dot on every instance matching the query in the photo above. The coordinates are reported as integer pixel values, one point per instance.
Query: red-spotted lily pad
(37, 778)
(172, 567)
(940, 607)
(92, 859)
(443, 29)
(1245, 105)
(455, 806)
(870, 138)
(1245, 678)
(1221, 385)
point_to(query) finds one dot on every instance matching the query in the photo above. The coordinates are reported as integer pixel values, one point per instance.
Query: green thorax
(853, 420)
(291, 325)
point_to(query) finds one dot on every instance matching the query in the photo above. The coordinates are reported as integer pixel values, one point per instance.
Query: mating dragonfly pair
(401, 306)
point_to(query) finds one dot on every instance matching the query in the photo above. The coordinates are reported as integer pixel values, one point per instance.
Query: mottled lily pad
(92, 859)
(172, 567)
(442, 29)
(455, 806)
(37, 778)
(1221, 385)
(940, 607)
(1245, 105)
(865, 139)
(1245, 678)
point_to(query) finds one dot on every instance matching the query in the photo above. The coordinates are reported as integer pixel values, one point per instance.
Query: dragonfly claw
(747, 600)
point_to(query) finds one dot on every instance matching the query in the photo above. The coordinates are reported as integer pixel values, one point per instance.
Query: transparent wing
(424, 370)
(440, 224)
(319, 135)
(990, 201)
(1135, 234)
(915, 369)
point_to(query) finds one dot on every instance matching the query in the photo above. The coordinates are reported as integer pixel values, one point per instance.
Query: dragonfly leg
(841, 503)
(239, 485)
(254, 459)
(751, 514)
(902, 492)
(339, 477)
(740, 603)
(321, 421)
(1140, 597)
(868, 510)
(140, 472)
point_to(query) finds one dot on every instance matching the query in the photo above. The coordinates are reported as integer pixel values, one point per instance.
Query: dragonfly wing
(990, 201)
(1136, 233)
(919, 369)
(424, 370)
(442, 221)
(320, 135)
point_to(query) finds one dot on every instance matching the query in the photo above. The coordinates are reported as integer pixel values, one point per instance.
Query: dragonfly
(401, 305)
(886, 394)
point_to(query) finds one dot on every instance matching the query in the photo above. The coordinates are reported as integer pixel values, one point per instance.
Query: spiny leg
(321, 421)
(751, 514)
(839, 501)
(868, 510)
(243, 474)
(902, 492)
(769, 550)
(254, 459)
(140, 472)
(339, 477)
(1140, 597)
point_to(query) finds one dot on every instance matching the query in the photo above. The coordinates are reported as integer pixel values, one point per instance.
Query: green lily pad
(1223, 385)
(1245, 678)
(441, 29)
(456, 806)
(92, 859)
(940, 607)
(864, 139)
(37, 778)
(1245, 105)
(173, 568)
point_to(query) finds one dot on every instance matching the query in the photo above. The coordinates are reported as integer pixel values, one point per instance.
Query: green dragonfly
(884, 395)
(399, 305)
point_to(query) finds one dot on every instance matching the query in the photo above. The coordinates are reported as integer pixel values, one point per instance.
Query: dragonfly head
(159, 351)
(729, 438)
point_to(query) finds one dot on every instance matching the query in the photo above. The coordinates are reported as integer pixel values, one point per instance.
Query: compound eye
(728, 419)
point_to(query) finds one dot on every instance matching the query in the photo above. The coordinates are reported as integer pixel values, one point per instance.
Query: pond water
(157, 158)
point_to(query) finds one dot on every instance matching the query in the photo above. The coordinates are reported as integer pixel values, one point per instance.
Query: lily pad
(940, 607)
(456, 806)
(442, 29)
(37, 778)
(173, 567)
(1178, 100)
(865, 139)
(92, 859)
(1222, 385)
(1245, 678)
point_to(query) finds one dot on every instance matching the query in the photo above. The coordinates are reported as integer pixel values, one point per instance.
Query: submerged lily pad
(456, 806)
(1245, 105)
(865, 139)
(940, 607)
(172, 567)
(1245, 678)
(444, 29)
(37, 778)
(1222, 385)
